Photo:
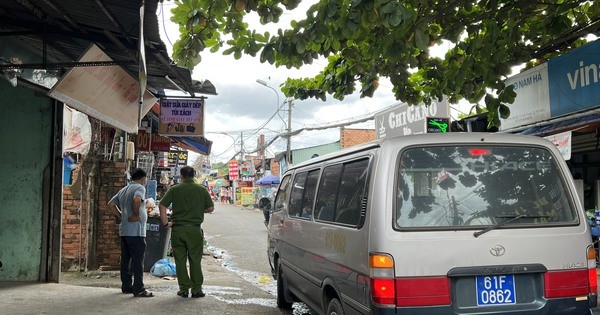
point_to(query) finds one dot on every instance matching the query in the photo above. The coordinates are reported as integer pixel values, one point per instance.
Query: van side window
(303, 194)
(309, 194)
(297, 191)
(327, 194)
(282, 194)
(341, 192)
(351, 192)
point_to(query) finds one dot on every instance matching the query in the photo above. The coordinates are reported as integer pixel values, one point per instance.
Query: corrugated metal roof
(63, 29)
(305, 154)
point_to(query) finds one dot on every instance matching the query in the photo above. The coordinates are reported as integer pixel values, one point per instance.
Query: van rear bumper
(564, 306)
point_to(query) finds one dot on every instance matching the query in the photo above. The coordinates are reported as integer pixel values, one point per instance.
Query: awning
(199, 145)
(576, 123)
(268, 180)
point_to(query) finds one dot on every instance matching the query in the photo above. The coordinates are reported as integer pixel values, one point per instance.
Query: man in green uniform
(189, 202)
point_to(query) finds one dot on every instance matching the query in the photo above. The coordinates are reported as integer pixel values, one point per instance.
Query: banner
(181, 117)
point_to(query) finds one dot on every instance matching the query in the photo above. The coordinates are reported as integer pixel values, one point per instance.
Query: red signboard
(234, 173)
(159, 143)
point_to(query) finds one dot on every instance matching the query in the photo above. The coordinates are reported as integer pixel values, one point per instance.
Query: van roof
(432, 138)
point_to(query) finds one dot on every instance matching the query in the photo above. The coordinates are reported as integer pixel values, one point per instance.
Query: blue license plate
(495, 290)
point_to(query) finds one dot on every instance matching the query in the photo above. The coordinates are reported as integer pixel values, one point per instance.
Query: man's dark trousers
(132, 263)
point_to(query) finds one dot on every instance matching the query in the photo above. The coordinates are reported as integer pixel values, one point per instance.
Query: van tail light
(388, 291)
(425, 291)
(570, 283)
(593, 273)
(383, 290)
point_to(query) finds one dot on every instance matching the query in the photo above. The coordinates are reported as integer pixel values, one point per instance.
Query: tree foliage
(364, 40)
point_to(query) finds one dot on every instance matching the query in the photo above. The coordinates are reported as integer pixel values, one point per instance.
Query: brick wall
(352, 137)
(108, 248)
(74, 229)
(75, 217)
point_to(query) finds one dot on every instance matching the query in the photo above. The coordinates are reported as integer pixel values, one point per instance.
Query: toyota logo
(497, 250)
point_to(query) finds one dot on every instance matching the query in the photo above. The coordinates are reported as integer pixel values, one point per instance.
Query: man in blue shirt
(128, 204)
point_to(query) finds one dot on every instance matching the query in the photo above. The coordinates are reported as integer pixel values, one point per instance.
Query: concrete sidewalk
(99, 293)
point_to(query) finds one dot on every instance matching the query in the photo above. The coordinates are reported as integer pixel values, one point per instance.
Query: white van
(460, 223)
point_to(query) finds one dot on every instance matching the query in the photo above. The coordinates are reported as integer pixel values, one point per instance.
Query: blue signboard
(574, 80)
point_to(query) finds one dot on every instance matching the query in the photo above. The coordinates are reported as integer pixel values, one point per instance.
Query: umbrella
(268, 180)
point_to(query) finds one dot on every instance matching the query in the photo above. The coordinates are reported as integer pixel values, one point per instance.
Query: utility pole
(288, 157)
(261, 145)
(242, 146)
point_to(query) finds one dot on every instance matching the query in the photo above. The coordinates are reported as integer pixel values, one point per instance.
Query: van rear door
(488, 227)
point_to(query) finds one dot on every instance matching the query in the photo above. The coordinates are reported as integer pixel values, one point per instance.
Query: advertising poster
(181, 117)
(247, 196)
(234, 173)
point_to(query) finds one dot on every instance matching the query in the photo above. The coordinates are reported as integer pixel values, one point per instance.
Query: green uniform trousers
(188, 243)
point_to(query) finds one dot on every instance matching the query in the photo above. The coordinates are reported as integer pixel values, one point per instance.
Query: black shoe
(198, 294)
(129, 291)
(144, 294)
(183, 293)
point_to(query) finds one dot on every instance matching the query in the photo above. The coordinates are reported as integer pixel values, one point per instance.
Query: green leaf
(504, 111)
(421, 39)
(300, 47)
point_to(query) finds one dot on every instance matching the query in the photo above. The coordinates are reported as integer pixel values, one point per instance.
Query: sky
(242, 105)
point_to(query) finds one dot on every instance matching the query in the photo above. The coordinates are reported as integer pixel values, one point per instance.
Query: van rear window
(472, 186)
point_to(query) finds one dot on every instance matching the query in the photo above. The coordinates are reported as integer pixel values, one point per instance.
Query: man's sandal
(144, 294)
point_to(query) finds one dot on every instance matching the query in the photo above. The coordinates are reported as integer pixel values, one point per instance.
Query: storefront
(560, 100)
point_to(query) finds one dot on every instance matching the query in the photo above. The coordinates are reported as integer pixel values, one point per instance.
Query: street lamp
(262, 82)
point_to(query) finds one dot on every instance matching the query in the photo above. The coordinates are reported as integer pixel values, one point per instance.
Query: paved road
(242, 233)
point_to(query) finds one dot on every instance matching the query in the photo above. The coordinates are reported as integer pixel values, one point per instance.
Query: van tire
(281, 290)
(335, 307)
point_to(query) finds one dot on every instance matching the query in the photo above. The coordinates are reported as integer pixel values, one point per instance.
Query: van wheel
(281, 290)
(335, 307)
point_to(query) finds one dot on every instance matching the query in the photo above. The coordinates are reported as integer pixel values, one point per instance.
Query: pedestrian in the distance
(128, 204)
(189, 202)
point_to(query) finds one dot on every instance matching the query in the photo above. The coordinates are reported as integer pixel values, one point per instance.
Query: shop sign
(234, 170)
(574, 80)
(437, 125)
(403, 120)
(181, 117)
(532, 103)
(564, 85)
(159, 143)
(178, 158)
(563, 143)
